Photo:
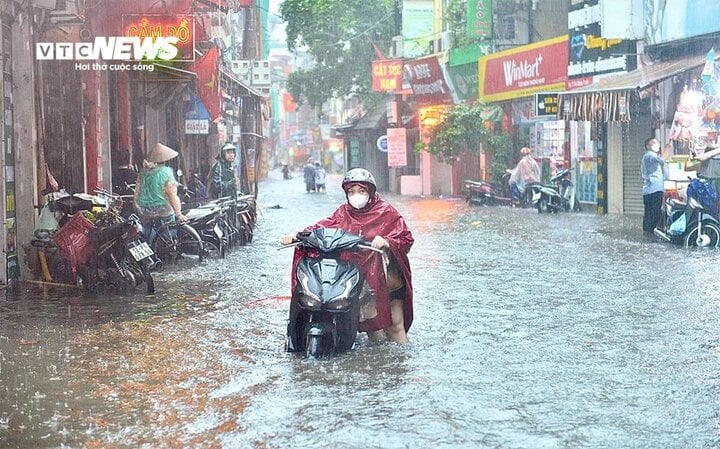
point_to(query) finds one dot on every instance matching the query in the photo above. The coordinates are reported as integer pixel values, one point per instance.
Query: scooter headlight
(339, 303)
(308, 299)
(310, 302)
(342, 301)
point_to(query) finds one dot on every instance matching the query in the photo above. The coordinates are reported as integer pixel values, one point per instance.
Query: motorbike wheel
(147, 275)
(710, 237)
(214, 249)
(140, 272)
(542, 206)
(190, 242)
(313, 346)
(85, 280)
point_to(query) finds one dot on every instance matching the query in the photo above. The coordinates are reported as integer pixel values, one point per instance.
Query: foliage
(463, 128)
(338, 35)
(455, 15)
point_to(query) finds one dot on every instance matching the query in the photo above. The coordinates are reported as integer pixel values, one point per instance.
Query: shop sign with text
(479, 19)
(387, 75)
(197, 126)
(397, 147)
(178, 27)
(546, 105)
(428, 83)
(524, 70)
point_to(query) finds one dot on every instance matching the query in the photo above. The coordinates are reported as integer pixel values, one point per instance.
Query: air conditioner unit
(442, 43)
(396, 51)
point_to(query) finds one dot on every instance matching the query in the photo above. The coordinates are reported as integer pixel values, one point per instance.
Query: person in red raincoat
(377, 221)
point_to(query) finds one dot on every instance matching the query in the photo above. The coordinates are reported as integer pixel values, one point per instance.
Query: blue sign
(382, 144)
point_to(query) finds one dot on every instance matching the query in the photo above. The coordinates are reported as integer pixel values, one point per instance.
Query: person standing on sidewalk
(651, 170)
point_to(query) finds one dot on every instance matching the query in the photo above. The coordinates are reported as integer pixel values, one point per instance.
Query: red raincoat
(377, 218)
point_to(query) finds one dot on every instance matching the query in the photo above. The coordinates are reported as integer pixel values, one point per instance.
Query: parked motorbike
(122, 259)
(210, 223)
(557, 197)
(486, 194)
(480, 193)
(102, 249)
(325, 306)
(693, 223)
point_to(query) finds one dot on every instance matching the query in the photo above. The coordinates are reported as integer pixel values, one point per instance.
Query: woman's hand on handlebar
(288, 239)
(379, 243)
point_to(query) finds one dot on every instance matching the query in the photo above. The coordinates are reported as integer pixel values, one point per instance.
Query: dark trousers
(653, 211)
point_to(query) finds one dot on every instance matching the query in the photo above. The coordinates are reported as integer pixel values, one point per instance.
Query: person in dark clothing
(222, 174)
(124, 175)
(651, 170)
(309, 176)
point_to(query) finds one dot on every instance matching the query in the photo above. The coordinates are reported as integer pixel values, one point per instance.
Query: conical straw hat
(161, 153)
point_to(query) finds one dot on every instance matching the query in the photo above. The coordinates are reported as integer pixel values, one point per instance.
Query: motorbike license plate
(536, 196)
(218, 232)
(141, 251)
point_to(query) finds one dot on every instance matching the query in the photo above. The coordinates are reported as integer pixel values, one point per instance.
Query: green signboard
(355, 152)
(479, 19)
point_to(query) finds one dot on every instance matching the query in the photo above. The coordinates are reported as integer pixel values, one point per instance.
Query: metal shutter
(634, 135)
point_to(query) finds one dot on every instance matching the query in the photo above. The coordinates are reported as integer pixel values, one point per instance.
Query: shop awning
(229, 76)
(166, 73)
(644, 76)
(608, 99)
(163, 83)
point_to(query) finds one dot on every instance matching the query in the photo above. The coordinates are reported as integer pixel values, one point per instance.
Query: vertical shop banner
(208, 84)
(417, 26)
(524, 70)
(355, 159)
(12, 265)
(428, 83)
(397, 147)
(479, 19)
(387, 75)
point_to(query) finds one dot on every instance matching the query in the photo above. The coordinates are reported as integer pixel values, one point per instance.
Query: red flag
(208, 82)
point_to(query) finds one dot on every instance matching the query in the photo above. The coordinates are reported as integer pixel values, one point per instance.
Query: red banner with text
(387, 75)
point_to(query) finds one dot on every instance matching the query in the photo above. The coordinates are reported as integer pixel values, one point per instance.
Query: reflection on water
(531, 331)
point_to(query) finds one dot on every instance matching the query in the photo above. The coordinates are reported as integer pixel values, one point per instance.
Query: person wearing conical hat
(156, 196)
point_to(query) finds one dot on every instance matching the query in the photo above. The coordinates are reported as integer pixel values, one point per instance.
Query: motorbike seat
(198, 213)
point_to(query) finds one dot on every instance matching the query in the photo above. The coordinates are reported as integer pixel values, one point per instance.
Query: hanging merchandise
(684, 126)
(710, 123)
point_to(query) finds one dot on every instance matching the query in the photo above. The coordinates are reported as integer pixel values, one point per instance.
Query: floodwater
(531, 331)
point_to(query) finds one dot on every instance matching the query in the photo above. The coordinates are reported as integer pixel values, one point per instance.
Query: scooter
(122, 260)
(480, 193)
(485, 194)
(325, 305)
(557, 197)
(693, 223)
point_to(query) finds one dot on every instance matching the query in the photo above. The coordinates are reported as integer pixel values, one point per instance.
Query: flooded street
(531, 331)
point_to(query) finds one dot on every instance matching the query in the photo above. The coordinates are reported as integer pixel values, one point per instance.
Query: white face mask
(358, 200)
(656, 147)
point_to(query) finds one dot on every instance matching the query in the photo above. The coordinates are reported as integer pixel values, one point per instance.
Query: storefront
(621, 112)
(431, 96)
(512, 78)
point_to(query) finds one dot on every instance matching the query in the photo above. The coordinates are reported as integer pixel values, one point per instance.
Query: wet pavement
(531, 331)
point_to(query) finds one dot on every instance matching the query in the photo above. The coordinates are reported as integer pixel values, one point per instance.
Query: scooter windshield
(327, 239)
